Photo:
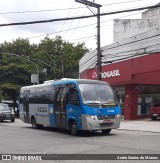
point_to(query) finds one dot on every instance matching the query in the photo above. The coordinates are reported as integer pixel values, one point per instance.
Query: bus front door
(26, 106)
(60, 108)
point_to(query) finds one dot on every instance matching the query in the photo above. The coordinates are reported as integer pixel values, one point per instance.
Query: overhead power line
(121, 2)
(127, 51)
(131, 42)
(82, 27)
(79, 17)
(124, 58)
(67, 17)
(61, 9)
(23, 12)
(71, 23)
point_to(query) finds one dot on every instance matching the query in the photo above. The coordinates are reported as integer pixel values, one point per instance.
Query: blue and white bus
(73, 104)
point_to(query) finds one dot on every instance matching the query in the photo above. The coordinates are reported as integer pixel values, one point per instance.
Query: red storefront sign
(141, 70)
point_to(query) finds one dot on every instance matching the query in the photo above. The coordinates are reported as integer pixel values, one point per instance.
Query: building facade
(131, 65)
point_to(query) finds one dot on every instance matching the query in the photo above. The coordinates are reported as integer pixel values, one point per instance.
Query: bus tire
(12, 120)
(107, 131)
(153, 118)
(34, 123)
(73, 128)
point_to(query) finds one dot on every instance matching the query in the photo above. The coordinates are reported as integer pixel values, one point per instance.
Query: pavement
(146, 125)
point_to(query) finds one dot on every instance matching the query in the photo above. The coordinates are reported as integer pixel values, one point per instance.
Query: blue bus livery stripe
(72, 81)
(42, 115)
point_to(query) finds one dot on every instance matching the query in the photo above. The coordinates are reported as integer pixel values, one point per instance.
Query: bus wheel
(34, 124)
(153, 118)
(73, 128)
(12, 120)
(107, 131)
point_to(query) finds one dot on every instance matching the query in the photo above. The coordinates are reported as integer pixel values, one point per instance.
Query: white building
(135, 55)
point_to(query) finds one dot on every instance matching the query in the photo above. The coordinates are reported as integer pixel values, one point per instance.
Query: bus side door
(26, 106)
(73, 106)
(60, 107)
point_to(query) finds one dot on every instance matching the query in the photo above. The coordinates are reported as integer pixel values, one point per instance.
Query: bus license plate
(154, 114)
(107, 121)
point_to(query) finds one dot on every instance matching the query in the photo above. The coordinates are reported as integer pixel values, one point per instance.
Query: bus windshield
(97, 94)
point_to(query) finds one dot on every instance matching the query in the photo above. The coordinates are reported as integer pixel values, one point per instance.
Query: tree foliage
(55, 59)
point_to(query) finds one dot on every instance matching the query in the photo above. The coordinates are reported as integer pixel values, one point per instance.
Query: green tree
(62, 56)
(21, 47)
(72, 54)
(55, 59)
(12, 77)
(15, 71)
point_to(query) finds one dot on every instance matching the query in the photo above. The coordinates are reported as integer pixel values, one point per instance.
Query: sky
(73, 31)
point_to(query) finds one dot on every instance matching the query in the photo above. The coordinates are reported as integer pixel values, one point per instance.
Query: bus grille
(106, 124)
(101, 117)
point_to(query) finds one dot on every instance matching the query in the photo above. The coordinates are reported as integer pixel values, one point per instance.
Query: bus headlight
(118, 116)
(91, 116)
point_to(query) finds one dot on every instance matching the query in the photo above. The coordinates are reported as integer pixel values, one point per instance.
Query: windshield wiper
(92, 102)
(109, 103)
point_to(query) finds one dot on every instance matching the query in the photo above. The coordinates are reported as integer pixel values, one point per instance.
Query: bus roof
(80, 81)
(67, 81)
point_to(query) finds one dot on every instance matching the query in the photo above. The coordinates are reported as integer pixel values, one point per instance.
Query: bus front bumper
(92, 123)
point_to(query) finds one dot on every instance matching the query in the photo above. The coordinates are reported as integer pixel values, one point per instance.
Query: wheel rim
(33, 123)
(73, 129)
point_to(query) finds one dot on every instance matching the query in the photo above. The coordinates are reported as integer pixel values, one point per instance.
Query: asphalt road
(20, 138)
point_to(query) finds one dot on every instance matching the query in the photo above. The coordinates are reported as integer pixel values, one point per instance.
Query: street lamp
(45, 63)
(26, 60)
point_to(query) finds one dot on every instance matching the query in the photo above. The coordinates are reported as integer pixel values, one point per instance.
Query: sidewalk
(141, 125)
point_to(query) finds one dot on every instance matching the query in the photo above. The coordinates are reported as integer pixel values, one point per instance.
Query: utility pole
(88, 3)
(62, 66)
(0, 55)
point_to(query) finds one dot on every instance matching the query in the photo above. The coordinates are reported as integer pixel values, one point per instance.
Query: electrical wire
(131, 42)
(23, 12)
(128, 57)
(89, 57)
(67, 17)
(62, 9)
(111, 55)
(131, 55)
(84, 73)
(91, 62)
(81, 27)
(117, 24)
(79, 17)
(135, 55)
(77, 25)
(71, 23)
(121, 2)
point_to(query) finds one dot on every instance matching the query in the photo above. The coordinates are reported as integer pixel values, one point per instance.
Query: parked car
(13, 106)
(6, 113)
(154, 111)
